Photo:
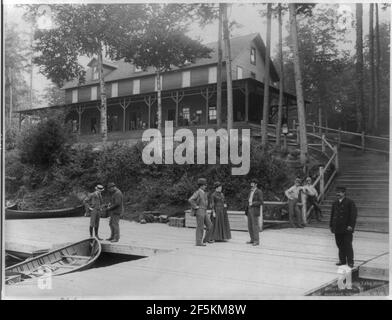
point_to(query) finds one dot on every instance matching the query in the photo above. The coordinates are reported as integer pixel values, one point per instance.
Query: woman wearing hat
(93, 205)
(221, 226)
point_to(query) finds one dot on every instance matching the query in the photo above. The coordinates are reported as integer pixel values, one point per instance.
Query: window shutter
(74, 95)
(94, 93)
(136, 86)
(115, 89)
(186, 79)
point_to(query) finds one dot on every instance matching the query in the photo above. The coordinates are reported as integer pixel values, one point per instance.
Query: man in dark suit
(115, 210)
(252, 211)
(199, 204)
(342, 224)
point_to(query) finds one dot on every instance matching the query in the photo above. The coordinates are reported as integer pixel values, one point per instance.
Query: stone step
(370, 204)
(363, 180)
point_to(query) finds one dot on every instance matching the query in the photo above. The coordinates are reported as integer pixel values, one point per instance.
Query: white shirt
(293, 192)
(310, 190)
(252, 192)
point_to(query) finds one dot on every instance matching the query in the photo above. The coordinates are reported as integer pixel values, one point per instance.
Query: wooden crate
(177, 222)
(237, 219)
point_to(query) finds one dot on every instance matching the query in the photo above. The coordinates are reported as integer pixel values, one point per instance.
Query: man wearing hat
(199, 204)
(252, 211)
(93, 205)
(115, 210)
(342, 224)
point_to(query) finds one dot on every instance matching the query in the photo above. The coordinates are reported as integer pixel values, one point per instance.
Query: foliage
(44, 143)
(84, 28)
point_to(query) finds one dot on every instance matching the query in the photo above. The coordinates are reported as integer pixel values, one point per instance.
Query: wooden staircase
(366, 177)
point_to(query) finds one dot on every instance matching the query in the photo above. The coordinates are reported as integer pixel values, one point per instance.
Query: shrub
(44, 143)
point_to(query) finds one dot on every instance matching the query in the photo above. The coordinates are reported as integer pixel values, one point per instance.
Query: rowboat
(43, 214)
(71, 258)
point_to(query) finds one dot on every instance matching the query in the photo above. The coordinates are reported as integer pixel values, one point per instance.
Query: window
(136, 86)
(156, 82)
(94, 93)
(115, 89)
(138, 69)
(239, 73)
(253, 75)
(74, 95)
(186, 114)
(212, 75)
(253, 56)
(95, 73)
(212, 113)
(186, 79)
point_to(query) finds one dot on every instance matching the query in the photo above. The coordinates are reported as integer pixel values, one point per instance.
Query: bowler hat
(254, 180)
(340, 189)
(111, 185)
(217, 184)
(201, 181)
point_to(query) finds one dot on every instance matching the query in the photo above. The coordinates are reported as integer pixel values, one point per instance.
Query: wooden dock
(289, 262)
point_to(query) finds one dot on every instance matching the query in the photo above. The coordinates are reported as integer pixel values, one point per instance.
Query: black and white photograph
(202, 150)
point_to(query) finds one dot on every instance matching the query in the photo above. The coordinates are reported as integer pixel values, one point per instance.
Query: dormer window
(95, 73)
(253, 56)
(138, 69)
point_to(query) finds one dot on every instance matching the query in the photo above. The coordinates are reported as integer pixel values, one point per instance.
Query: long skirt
(221, 226)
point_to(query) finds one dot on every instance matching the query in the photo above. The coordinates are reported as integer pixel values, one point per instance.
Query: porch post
(246, 101)
(207, 99)
(124, 107)
(79, 111)
(177, 108)
(149, 112)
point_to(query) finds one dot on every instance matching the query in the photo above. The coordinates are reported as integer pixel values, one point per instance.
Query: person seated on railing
(311, 198)
(292, 195)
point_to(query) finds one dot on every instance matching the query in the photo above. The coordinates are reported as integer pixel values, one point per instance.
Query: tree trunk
(359, 68)
(281, 81)
(11, 93)
(298, 85)
(103, 107)
(31, 68)
(372, 75)
(159, 100)
(264, 135)
(377, 77)
(219, 71)
(228, 70)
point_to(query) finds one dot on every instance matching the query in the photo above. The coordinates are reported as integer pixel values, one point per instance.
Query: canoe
(71, 258)
(43, 214)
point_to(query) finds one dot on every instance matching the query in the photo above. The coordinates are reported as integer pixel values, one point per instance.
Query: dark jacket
(343, 215)
(199, 201)
(257, 201)
(116, 203)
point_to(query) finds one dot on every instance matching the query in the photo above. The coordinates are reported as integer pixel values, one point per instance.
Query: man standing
(199, 204)
(93, 204)
(311, 197)
(342, 224)
(115, 210)
(292, 195)
(252, 211)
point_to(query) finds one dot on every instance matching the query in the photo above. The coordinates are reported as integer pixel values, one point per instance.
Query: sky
(245, 14)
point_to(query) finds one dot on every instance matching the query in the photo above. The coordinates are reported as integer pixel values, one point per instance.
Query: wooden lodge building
(188, 92)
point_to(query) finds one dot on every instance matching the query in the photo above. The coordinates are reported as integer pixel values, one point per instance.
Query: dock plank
(288, 263)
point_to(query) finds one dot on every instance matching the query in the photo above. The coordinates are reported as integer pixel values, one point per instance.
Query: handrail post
(303, 208)
(339, 136)
(323, 143)
(335, 150)
(363, 140)
(297, 135)
(294, 125)
(321, 172)
(314, 127)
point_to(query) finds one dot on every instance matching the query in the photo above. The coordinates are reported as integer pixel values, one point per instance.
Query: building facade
(188, 92)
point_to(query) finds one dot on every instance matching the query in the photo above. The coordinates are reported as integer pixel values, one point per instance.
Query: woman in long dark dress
(221, 226)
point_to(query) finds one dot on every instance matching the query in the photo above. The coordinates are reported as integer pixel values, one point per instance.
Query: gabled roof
(124, 70)
(104, 62)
